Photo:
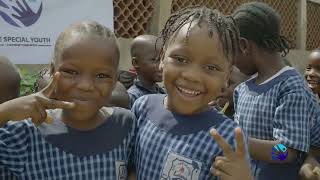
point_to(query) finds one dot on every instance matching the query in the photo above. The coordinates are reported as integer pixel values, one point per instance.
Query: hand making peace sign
(234, 164)
(34, 105)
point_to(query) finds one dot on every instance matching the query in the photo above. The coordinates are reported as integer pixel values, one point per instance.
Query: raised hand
(34, 105)
(234, 164)
(310, 169)
(25, 14)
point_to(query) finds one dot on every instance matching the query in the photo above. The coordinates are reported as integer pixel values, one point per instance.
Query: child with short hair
(173, 138)
(275, 106)
(144, 53)
(312, 73)
(10, 80)
(79, 138)
(10, 89)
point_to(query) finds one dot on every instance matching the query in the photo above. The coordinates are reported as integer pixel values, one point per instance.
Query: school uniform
(56, 151)
(137, 90)
(174, 146)
(5, 174)
(282, 108)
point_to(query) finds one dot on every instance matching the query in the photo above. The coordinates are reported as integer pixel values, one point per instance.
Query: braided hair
(260, 23)
(224, 26)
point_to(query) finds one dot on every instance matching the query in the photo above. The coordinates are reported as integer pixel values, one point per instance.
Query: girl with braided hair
(173, 138)
(275, 106)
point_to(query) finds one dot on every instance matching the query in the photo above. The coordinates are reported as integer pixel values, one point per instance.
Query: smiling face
(88, 67)
(194, 71)
(312, 73)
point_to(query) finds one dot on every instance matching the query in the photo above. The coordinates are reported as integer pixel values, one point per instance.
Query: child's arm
(34, 105)
(262, 150)
(233, 165)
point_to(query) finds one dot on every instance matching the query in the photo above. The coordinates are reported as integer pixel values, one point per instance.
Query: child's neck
(89, 124)
(146, 83)
(268, 64)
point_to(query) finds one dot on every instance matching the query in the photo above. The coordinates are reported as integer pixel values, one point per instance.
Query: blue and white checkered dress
(282, 109)
(137, 90)
(173, 146)
(30, 155)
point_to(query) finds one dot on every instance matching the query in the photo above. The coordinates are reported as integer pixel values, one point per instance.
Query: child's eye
(101, 75)
(180, 59)
(211, 68)
(71, 72)
(308, 68)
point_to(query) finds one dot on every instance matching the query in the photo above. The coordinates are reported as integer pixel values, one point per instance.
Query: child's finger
(222, 166)
(240, 142)
(56, 104)
(226, 148)
(316, 171)
(36, 119)
(220, 174)
(306, 172)
(50, 90)
(49, 120)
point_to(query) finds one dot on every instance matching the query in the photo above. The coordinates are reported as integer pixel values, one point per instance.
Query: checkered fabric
(169, 145)
(26, 153)
(281, 109)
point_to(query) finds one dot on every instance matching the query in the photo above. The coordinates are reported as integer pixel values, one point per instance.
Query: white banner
(29, 28)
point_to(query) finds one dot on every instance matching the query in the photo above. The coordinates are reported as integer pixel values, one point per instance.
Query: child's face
(9, 88)
(195, 70)
(312, 73)
(149, 63)
(88, 74)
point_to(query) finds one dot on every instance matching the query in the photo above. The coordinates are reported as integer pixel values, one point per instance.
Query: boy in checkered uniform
(144, 52)
(78, 138)
(275, 105)
(10, 89)
(173, 139)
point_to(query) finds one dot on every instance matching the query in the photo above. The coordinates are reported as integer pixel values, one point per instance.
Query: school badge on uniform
(121, 170)
(179, 167)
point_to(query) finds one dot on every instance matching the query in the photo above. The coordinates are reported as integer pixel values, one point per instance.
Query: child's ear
(135, 62)
(244, 46)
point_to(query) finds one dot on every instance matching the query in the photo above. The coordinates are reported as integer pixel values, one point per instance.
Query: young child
(79, 138)
(275, 105)
(9, 89)
(225, 99)
(10, 80)
(312, 73)
(144, 53)
(173, 138)
(310, 170)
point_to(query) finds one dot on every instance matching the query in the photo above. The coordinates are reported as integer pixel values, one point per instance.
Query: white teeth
(191, 92)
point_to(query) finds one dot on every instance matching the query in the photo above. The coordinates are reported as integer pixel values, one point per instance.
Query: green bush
(28, 79)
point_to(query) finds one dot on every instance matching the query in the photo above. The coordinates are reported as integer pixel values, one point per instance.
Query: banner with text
(29, 28)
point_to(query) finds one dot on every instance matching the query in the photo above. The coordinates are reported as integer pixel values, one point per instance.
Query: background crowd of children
(229, 97)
